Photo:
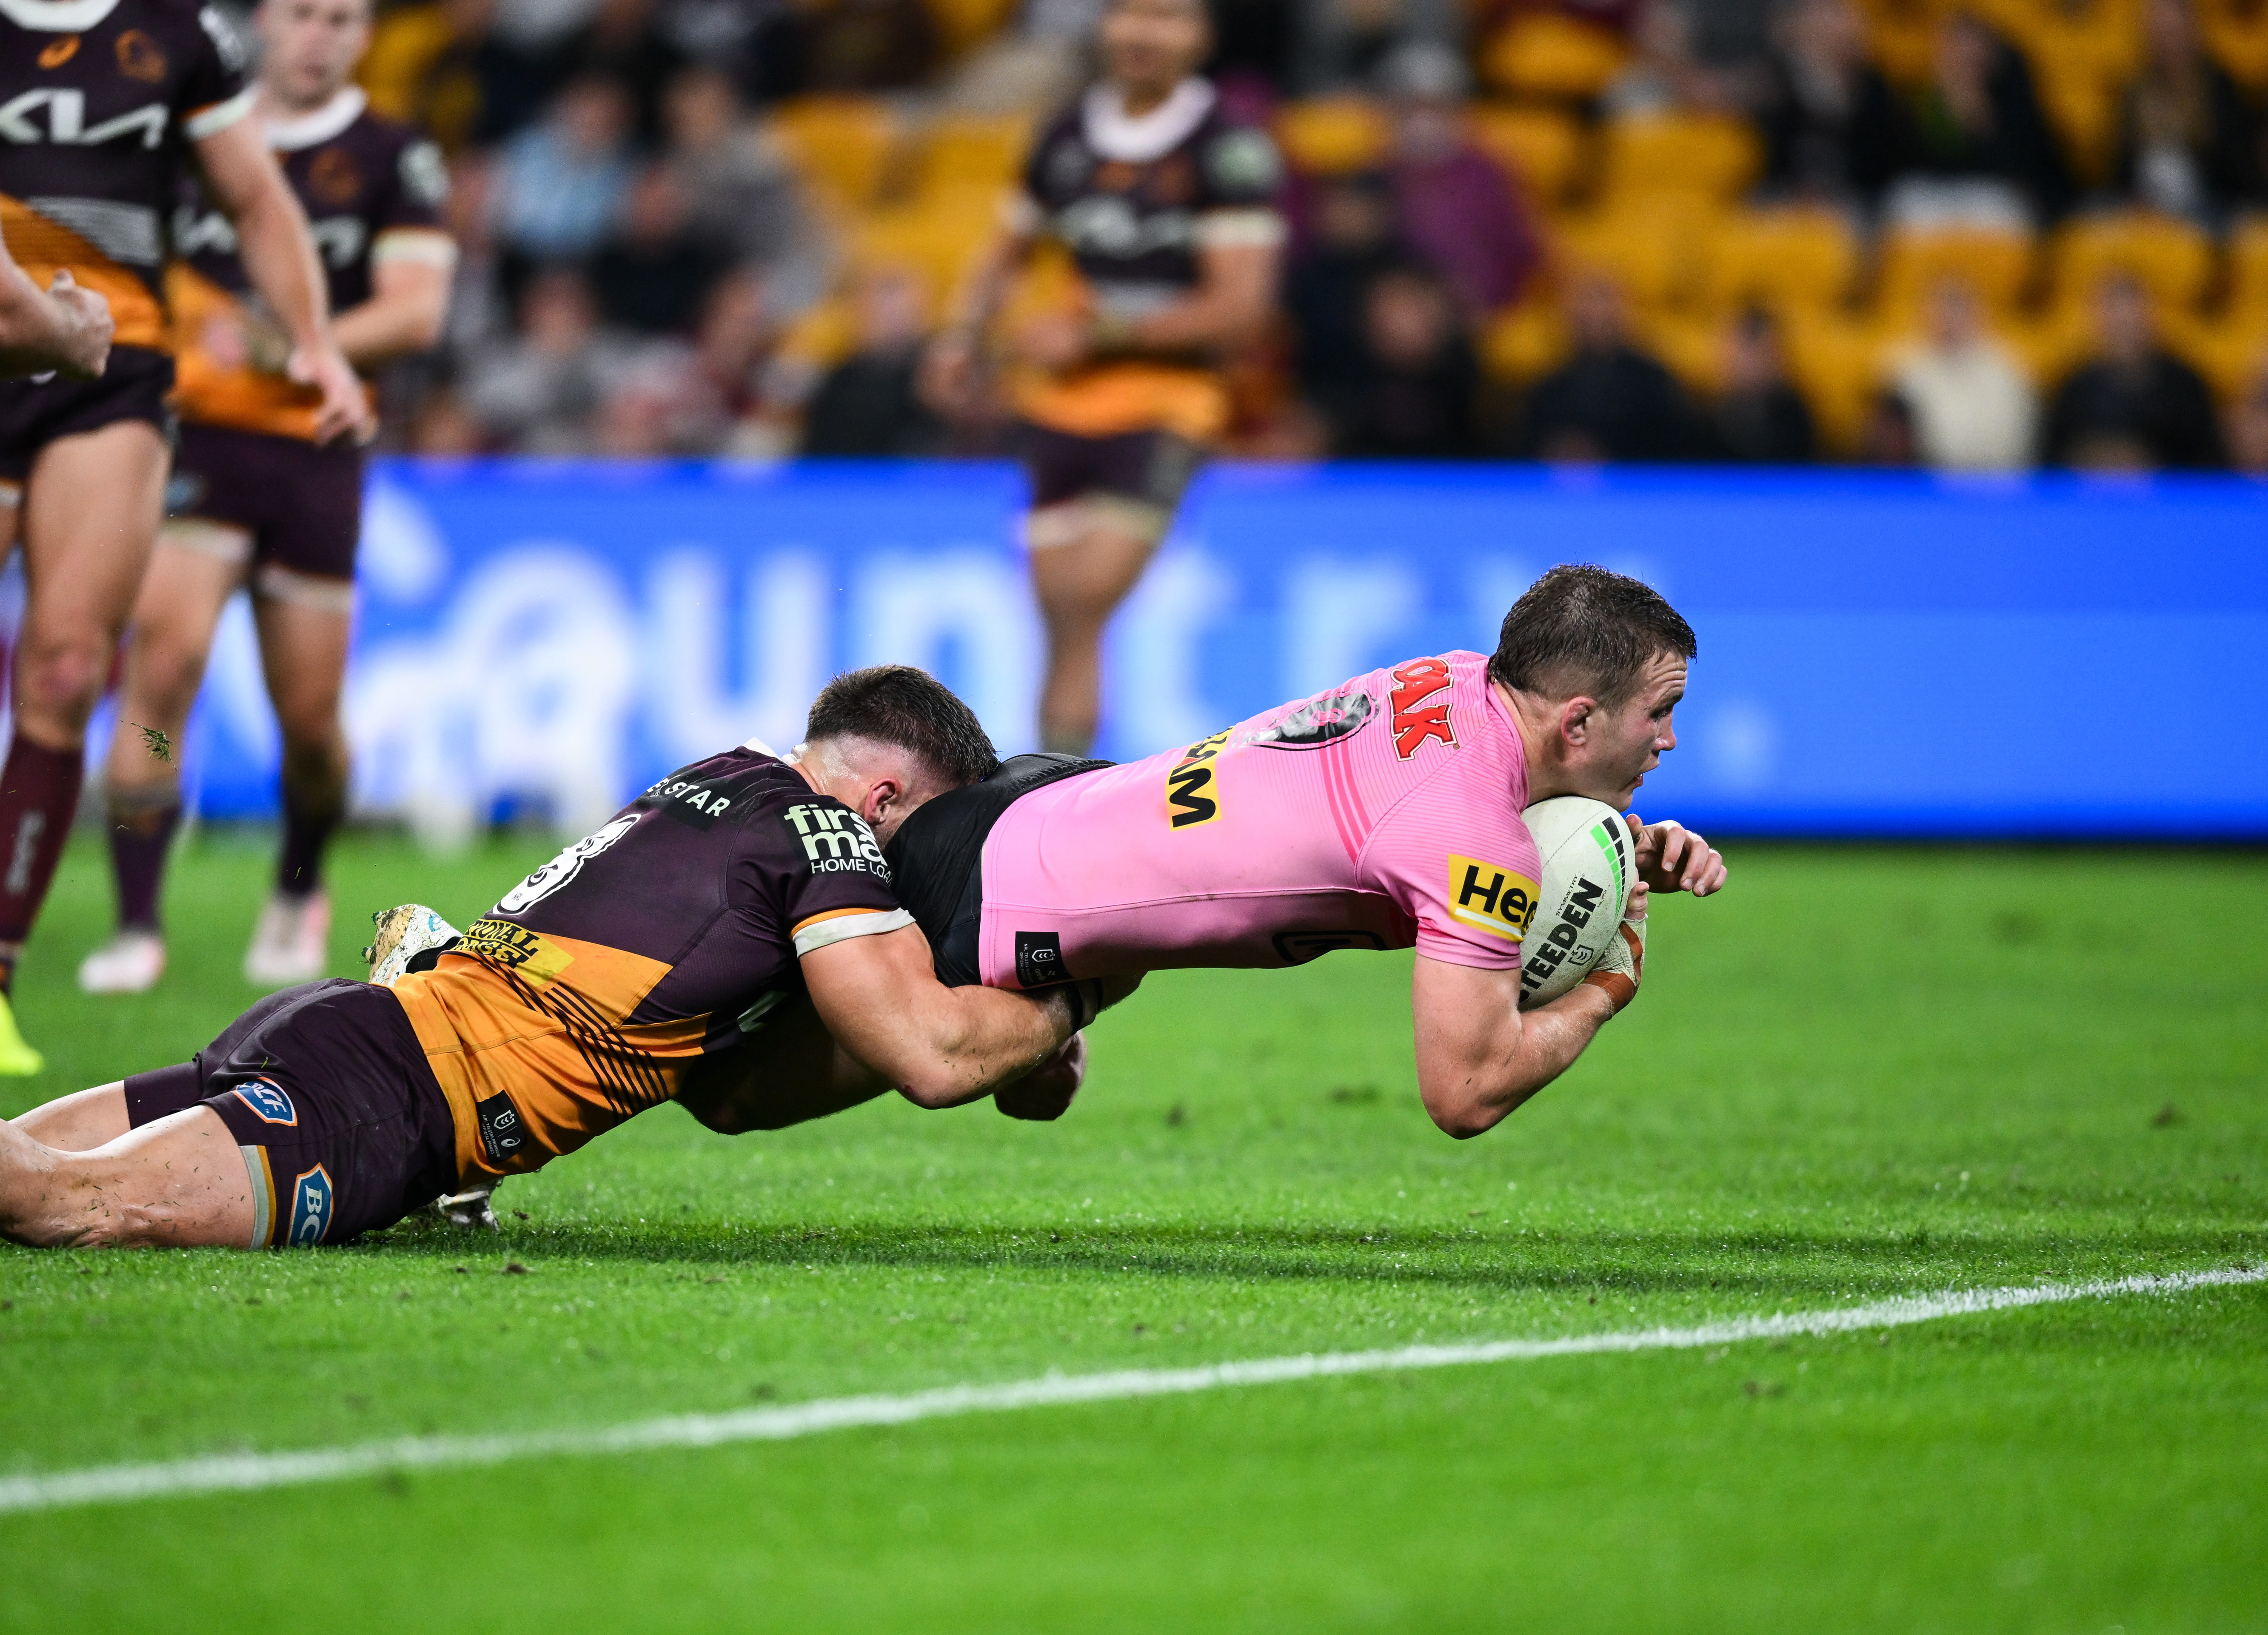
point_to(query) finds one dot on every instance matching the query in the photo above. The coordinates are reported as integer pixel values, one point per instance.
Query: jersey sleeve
(1243, 179)
(822, 868)
(1468, 877)
(213, 94)
(406, 224)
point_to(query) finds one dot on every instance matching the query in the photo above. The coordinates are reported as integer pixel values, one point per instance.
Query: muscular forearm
(1210, 320)
(381, 330)
(974, 1040)
(1470, 1087)
(280, 260)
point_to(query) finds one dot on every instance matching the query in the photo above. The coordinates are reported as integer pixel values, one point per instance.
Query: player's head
(1596, 662)
(884, 739)
(308, 49)
(1150, 46)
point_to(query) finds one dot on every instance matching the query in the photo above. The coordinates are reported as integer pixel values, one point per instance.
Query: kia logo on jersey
(67, 124)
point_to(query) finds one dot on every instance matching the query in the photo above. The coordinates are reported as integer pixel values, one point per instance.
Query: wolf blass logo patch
(836, 841)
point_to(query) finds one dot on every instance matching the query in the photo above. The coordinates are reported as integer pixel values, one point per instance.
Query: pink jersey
(1382, 813)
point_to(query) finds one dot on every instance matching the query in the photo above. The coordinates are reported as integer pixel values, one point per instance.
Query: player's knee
(63, 678)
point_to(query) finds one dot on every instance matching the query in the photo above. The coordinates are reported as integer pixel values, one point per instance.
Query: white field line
(245, 1472)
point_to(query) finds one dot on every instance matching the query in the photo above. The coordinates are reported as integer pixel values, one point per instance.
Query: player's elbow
(933, 1088)
(1463, 1111)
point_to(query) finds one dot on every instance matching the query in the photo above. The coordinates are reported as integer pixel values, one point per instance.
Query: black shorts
(1149, 468)
(300, 502)
(936, 858)
(134, 385)
(326, 1088)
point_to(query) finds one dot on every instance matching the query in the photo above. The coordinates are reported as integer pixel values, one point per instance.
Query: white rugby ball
(1586, 848)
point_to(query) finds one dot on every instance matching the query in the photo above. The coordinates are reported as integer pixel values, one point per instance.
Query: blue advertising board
(1881, 654)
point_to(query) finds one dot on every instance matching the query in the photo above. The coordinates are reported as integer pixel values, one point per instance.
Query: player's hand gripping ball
(1045, 1092)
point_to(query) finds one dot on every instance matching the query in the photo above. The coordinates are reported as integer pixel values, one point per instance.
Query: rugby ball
(1585, 846)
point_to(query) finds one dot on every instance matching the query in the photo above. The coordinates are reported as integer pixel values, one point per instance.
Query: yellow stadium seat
(1692, 348)
(1547, 54)
(1652, 247)
(2170, 259)
(1714, 157)
(940, 244)
(2248, 270)
(1542, 149)
(2236, 33)
(820, 336)
(965, 23)
(2082, 105)
(842, 146)
(2231, 354)
(972, 150)
(1524, 342)
(1900, 35)
(2105, 35)
(1332, 135)
(1781, 258)
(1996, 265)
(1837, 363)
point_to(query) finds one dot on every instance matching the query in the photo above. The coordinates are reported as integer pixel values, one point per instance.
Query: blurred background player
(108, 102)
(256, 498)
(1168, 207)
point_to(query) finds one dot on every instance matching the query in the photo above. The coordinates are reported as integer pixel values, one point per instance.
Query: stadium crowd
(1982, 236)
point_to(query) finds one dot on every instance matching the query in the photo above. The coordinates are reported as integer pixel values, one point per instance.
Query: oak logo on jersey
(516, 948)
(1317, 722)
(1192, 794)
(689, 802)
(1490, 898)
(836, 841)
(1416, 720)
(139, 58)
(312, 1197)
(56, 53)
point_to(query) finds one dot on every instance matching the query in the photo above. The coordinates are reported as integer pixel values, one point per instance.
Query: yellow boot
(18, 1060)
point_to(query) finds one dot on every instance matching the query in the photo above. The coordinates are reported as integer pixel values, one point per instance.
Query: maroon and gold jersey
(100, 101)
(373, 190)
(1135, 199)
(582, 999)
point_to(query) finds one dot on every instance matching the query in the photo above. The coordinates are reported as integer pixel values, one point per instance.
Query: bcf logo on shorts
(266, 1098)
(311, 1208)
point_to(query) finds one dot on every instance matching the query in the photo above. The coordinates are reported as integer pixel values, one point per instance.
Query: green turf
(1859, 1072)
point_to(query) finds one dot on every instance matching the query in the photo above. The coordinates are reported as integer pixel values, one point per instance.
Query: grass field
(1858, 1073)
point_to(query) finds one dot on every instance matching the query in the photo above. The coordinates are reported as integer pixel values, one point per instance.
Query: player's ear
(883, 796)
(1575, 721)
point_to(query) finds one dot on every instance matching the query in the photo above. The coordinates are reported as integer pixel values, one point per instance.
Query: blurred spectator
(1351, 243)
(1412, 392)
(2133, 406)
(1810, 98)
(2189, 144)
(538, 393)
(1457, 209)
(639, 414)
(443, 427)
(477, 308)
(1663, 76)
(561, 181)
(740, 189)
(728, 407)
(620, 44)
(655, 271)
(756, 44)
(866, 405)
(1342, 43)
(1887, 438)
(1967, 147)
(1609, 401)
(2248, 427)
(1759, 417)
(442, 66)
(869, 45)
(1033, 65)
(1971, 408)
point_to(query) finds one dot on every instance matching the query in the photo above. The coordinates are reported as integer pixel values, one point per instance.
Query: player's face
(1152, 45)
(1632, 738)
(312, 46)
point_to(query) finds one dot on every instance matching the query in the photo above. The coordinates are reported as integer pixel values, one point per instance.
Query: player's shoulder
(738, 786)
(1237, 156)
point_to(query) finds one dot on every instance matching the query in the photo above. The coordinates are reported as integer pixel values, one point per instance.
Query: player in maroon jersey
(104, 105)
(1168, 207)
(255, 497)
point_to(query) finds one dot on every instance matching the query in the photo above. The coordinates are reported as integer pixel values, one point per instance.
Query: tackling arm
(271, 232)
(1478, 1058)
(880, 998)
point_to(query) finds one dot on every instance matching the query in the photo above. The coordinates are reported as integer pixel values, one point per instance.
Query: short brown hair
(910, 710)
(1582, 629)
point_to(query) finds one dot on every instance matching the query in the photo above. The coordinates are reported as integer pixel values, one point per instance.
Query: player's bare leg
(305, 624)
(89, 520)
(80, 1121)
(180, 1181)
(1079, 584)
(196, 567)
